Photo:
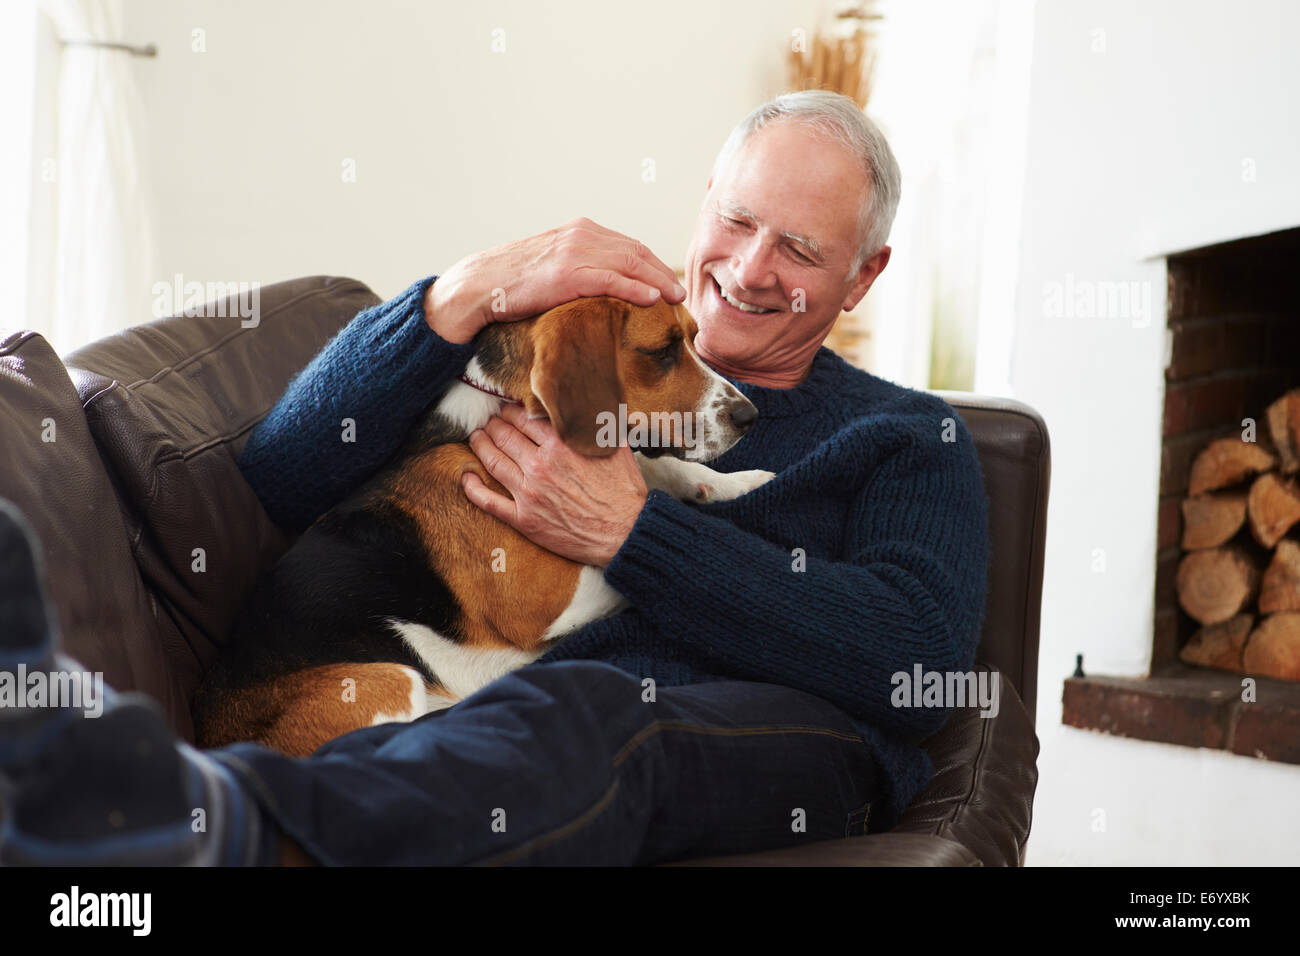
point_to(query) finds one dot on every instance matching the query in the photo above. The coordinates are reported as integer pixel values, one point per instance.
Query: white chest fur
(469, 407)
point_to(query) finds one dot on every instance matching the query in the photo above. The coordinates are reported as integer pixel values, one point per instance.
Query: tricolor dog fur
(388, 607)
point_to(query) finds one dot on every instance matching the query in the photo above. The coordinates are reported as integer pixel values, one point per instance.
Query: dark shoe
(109, 790)
(28, 646)
(27, 627)
(101, 779)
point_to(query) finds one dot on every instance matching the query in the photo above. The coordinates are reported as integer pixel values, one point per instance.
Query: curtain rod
(149, 50)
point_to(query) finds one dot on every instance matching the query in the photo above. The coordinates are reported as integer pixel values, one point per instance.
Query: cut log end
(1226, 462)
(1213, 518)
(1273, 507)
(1217, 583)
(1280, 588)
(1273, 649)
(1220, 645)
(1283, 418)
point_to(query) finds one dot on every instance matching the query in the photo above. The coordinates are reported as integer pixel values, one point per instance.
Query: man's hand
(526, 278)
(580, 508)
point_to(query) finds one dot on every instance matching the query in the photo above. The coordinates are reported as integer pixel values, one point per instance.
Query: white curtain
(950, 95)
(18, 79)
(103, 262)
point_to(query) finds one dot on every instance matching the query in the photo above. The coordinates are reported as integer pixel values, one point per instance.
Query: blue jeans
(566, 763)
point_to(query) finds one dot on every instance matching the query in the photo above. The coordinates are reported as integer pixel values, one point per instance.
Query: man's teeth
(737, 303)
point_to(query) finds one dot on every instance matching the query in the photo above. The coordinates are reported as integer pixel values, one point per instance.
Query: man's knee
(580, 700)
(578, 683)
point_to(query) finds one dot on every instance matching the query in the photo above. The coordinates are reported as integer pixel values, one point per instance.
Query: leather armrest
(976, 811)
(880, 849)
(982, 792)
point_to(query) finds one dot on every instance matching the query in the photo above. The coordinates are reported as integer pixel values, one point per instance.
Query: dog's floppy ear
(575, 370)
(688, 322)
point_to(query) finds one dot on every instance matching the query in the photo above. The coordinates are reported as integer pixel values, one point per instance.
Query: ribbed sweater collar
(808, 396)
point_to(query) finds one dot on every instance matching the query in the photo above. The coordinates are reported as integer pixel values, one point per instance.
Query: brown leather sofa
(124, 458)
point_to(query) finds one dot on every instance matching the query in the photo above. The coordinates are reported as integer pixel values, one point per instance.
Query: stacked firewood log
(1240, 576)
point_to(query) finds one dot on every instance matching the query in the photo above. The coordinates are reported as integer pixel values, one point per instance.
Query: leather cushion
(170, 405)
(106, 617)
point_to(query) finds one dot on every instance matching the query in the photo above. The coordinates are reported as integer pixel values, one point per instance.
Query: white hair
(839, 118)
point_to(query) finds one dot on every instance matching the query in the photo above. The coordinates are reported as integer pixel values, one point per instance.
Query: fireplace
(1234, 329)
(1234, 350)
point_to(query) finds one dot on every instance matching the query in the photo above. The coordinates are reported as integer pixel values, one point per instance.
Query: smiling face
(767, 271)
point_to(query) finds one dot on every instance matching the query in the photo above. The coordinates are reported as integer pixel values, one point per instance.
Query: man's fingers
(607, 282)
(480, 495)
(645, 265)
(537, 429)
(643, 287)
(634, 260)
(498, 463)
(517, 446)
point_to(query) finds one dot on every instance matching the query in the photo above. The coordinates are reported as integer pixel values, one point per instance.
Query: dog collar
(483, 387)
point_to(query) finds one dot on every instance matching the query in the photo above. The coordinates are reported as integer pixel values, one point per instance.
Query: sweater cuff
(418, 336)
(661, 542)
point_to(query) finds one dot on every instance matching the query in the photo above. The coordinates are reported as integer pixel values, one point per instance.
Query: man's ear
(866, 275)
(575, 370)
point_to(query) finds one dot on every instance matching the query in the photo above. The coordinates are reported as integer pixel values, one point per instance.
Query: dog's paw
(720, 487)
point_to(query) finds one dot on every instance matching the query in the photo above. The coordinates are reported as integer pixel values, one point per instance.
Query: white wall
(457, 148)
(253, 107)
(1138, 137)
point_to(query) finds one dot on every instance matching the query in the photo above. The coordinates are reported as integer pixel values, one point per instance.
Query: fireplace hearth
(1234, 350)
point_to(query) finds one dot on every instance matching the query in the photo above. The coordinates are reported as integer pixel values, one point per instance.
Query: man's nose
(751, 266)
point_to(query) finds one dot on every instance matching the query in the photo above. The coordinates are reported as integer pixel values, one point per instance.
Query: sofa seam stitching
(950, 817)
(191, 359)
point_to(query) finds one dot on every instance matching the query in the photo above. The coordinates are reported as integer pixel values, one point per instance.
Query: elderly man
(744, 700)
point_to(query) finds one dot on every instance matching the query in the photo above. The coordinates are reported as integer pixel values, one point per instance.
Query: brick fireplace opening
(1234, 350)
(1234, 325)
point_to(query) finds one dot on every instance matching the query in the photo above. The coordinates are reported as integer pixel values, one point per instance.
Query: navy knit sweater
(865, 556)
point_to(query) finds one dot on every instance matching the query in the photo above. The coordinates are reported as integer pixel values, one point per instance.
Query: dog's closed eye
(666, 356)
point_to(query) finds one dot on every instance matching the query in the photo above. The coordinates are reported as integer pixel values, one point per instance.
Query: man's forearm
(839, 630)
(350, 408)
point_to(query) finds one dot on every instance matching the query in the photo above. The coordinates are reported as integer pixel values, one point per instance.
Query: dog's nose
(743, 414)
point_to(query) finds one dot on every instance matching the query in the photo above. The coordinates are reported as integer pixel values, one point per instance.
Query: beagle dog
(406, 597)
